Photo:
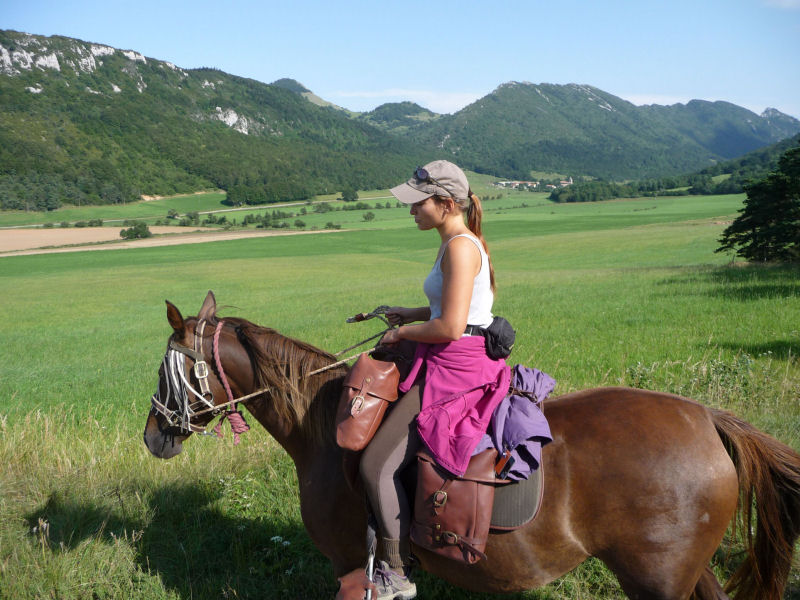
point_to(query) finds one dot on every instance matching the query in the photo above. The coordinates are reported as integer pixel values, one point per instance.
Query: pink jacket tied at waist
(462, 388)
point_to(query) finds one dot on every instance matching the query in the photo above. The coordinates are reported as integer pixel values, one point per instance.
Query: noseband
(179, 389)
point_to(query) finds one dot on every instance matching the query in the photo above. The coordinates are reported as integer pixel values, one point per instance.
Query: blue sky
(446, 54)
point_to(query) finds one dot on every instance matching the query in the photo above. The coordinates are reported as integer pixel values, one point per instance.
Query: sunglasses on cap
(421, 174)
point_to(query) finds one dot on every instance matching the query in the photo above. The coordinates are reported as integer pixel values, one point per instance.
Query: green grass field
(626, 292)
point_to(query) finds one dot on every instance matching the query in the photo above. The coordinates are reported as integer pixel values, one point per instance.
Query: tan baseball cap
(440, 177)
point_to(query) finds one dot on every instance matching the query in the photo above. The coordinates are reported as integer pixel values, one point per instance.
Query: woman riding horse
(649, 488)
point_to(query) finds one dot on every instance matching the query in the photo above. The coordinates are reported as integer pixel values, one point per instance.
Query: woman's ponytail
(474, 218)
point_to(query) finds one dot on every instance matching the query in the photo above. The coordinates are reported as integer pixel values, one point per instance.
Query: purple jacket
(518, 423)
(462, 388)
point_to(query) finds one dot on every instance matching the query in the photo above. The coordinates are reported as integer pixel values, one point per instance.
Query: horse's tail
(769, 477)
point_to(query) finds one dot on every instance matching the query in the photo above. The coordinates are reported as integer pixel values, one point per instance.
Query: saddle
(515, 504)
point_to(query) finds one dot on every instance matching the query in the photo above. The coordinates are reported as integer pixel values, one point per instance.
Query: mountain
(723, 128)
(89, 123)
(521, 128)
(751, 167)
(299, 88)
(398, 117)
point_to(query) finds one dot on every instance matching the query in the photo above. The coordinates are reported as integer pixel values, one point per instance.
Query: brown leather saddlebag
(452, 514)
(368, 389)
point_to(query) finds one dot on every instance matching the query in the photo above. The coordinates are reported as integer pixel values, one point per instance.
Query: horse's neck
(300, 413)
(312, 434)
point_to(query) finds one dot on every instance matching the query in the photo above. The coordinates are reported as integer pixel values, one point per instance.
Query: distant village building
(517, 184)
(531, 185)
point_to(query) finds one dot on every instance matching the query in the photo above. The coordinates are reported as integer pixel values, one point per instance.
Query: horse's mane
(283, 364)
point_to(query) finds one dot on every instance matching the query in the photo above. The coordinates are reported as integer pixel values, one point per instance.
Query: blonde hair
(474, 212)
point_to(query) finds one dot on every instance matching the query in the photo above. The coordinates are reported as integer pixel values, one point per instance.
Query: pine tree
(768, 228)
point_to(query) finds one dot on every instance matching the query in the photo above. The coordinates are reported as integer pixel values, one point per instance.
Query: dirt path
(16, 242)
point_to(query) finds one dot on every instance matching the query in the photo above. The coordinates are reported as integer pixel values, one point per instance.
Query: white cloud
(784, 4)
(439, 102)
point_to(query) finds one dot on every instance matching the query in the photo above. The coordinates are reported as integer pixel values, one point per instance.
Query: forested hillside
(579, 130)
(728, 177)
(85, 123)
(399, 117)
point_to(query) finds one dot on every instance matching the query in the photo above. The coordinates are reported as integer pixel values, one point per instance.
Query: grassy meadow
(625, 292)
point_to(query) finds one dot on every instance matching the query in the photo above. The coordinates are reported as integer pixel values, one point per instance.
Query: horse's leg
(708, 588)
(333, 513)
(665, 551)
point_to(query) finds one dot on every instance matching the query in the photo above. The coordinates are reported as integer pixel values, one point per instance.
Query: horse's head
(191, 389)
(211, 364)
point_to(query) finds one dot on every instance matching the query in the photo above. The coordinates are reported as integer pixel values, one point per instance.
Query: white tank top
(480, 306)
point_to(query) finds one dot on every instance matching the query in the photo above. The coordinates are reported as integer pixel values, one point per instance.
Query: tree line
(768, 226)
(738, 174)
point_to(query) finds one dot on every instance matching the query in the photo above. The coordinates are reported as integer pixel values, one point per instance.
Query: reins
(175, 373)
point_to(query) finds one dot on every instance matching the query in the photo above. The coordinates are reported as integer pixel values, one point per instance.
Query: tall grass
(614, 293)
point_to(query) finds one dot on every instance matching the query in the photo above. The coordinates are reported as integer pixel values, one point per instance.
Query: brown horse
(646, 482)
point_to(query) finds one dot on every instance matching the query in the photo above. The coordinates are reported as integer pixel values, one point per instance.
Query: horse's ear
(209, 308)
(174, 317)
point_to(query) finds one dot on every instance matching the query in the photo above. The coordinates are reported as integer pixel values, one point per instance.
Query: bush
(139, 230)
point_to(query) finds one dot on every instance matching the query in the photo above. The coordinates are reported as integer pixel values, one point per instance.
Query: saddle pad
(516, 504)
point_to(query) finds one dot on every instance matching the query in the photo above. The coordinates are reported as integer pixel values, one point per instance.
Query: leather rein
(179, 387)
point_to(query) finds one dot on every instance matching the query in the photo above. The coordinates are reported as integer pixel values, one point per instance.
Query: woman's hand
(390, 337)
(398, 315)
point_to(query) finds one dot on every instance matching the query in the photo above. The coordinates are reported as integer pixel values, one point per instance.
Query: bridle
(179, 392)
(179, 389)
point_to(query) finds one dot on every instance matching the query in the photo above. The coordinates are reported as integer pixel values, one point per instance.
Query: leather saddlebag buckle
(452, 514)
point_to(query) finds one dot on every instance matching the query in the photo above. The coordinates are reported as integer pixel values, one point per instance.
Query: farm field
(372, 212)
(202, 202)
(626, 292)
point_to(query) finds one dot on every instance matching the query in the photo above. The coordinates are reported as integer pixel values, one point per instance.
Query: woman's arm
(399, 315)
(460, 264)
